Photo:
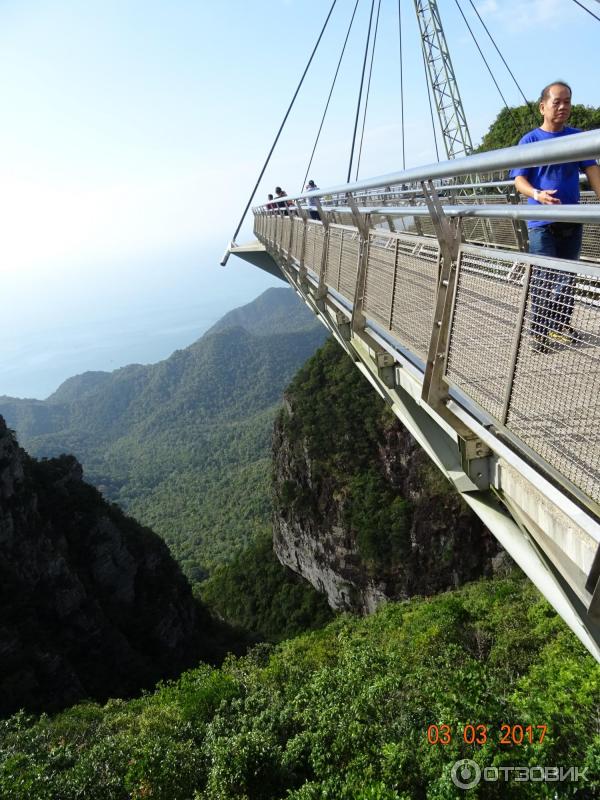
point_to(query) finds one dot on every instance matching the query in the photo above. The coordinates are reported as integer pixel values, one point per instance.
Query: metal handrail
(563, 213)
(575, 147)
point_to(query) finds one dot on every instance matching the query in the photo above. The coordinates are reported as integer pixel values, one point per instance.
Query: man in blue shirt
(551, 184)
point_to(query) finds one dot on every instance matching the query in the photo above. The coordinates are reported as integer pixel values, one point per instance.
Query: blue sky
(132, 131)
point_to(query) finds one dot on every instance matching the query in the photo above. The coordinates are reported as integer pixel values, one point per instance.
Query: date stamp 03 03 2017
(479, 734)
(466, 773)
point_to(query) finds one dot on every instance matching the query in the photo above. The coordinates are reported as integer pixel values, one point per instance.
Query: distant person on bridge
(311, 186)
(552, 292)
(284, 203)
(270, 204)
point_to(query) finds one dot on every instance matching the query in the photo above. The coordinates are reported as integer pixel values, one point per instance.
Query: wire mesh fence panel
(286, 229)
(475, 230)
(555, 401)
(414, 293)
(334, 257)
(297, 238)
(272, 229)
(484, 325)
(315, 235)
(379, 282)
(406, 225)
(349, 263)
(278, 229)
(590, 245)
(504, 233)
(499, 233)
(290, 241)
(426, 226)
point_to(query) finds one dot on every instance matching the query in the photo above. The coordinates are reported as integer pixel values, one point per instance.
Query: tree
(513, 123)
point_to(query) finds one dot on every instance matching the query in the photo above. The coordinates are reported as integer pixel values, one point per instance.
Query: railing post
(474, 454)
(302, 273)
(277, 237)
(393, 292)
(519, 226)
(291, 236)
(322, 288)
(390, 223)
(515, 344)
(362, 223)
(435, 389)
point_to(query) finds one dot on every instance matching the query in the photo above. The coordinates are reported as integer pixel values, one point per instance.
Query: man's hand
(543, 196)
(546, 197)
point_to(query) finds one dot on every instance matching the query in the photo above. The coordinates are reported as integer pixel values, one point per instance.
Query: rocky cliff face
(92, 604)
(360, 511)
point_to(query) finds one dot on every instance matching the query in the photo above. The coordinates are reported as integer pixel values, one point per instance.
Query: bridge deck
(547, 402)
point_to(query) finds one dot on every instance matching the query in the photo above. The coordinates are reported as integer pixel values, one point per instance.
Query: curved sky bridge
(429, 288)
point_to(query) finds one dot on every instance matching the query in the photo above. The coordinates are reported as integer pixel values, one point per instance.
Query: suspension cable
(527, 103)
(587, 9)
(287, 113)
(401, 84)
(362, 133)
(437, 153)
(362, 79)
(512, 116)
(312, 155)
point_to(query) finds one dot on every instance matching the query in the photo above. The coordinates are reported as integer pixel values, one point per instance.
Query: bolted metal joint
(475, 459)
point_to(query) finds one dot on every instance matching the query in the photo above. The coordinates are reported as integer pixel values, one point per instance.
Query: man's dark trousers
(552, 292)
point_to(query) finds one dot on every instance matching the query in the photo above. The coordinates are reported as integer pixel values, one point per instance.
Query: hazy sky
(131, 132)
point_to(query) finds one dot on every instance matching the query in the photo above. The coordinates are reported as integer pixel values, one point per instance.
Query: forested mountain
(359, 509)
(342, 713)
(184, 445)
(92, 604)
(275, 311)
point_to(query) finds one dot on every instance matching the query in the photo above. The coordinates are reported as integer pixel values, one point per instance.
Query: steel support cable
(362, 133)
(312, 155)
(401, 84)
(489, 69)
(362, 80)
(287, 113)
(437, 153)
(586, 9)
(527, 103)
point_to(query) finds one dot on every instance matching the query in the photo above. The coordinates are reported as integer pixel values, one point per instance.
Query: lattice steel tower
(453, 122)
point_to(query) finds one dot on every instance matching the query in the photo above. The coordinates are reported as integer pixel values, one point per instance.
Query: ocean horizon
(139, 314)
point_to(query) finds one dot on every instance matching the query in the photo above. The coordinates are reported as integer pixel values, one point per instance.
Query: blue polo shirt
(563, 177)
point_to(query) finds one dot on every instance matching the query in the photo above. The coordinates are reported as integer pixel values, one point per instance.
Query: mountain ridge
(182, 433)
(93, 604)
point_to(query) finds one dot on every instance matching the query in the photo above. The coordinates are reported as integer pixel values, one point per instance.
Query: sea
(140, 316)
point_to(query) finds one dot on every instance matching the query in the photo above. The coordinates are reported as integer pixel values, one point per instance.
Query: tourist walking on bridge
(311, 186)
(553, 292)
